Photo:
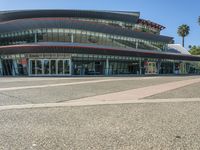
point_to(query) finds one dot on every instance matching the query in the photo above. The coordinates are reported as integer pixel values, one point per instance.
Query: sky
(169, 13)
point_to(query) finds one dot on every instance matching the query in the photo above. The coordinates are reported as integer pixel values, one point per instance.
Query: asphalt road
(171, 125)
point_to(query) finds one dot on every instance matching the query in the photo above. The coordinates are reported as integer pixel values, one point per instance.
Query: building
(84, 42)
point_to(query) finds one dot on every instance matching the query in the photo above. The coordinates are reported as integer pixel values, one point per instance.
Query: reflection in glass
(46, 67)
(33, 68)
(22, 65)
(60, 67)
(66, 67)
(39, 66)
(53, 66)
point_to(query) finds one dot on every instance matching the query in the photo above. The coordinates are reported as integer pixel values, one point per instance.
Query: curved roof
(38, 23)
(130, 17)
(57, 47)
(178, 48)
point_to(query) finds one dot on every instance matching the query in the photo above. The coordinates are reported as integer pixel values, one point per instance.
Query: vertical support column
(71, 67)
(185, 69)
(56, 61)
(1, 69)
(14, 68)
(29, 67)
(63, 70)
(35, 37)
(35, 66)
(72, 38)
(140, 65)
(159, 65)
(188, 67)
(136, 45)
(107, 67)
(42, 62)
(174, 68)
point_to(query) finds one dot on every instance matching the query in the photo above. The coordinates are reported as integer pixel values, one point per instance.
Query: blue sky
(170, 13)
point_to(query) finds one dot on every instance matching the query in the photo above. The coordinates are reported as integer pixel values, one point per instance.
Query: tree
(183, 31)
(199, 20)
(195, 50)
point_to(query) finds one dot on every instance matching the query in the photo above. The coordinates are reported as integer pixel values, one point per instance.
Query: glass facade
(78, 36)
(64, 64)
(100, 65)
(135, 27)
(16, 65)
(45, 67)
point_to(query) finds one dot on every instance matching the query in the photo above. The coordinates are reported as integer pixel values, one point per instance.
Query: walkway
(129, 96)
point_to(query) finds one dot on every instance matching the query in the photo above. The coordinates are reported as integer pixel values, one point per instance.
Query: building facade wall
(67, 64)
(73, 42)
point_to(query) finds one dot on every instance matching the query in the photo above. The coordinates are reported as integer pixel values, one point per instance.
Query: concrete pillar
(107, 67)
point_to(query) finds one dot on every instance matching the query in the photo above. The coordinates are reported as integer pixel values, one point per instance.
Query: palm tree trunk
(183, 41)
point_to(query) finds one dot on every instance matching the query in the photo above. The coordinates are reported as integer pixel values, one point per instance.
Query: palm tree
(183, 31)
(199, 20)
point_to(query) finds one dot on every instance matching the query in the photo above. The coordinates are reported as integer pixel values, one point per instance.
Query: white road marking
(28, 79)
(95, 102)
(73, 83)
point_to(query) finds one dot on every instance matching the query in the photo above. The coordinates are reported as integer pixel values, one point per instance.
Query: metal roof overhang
(91, 49)
(108, 15)
(26, 24)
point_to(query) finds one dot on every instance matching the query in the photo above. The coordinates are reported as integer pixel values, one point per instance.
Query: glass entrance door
(53, 67)
(32, 67)
(39, 68)
(46, 67)
(49, 67)
(67, 67)
(60, 67)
